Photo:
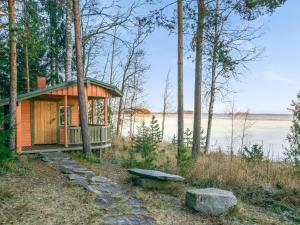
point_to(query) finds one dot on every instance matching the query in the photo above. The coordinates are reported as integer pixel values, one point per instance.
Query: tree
(198, 80)
(25, 36)
(293, 151)
(80, 80)
(13, 72)
(227, 50)
(180, 110)
(166, 102)
(69, 46)
(130, 68)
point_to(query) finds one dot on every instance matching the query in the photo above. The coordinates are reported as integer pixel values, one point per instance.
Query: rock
(99, 179)
(91, 189)
(152, 183)
(155, 174)
(110, 188)
(104, 200)
(74, 176)
(81, 182)
(272, 190)
(130, 219)
(210, 201)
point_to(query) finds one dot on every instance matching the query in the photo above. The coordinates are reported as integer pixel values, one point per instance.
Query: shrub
(6, 154)
(254, 153)
(145, 143)
(293, 151)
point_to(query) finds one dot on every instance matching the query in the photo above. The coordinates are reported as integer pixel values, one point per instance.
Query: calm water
(267, 130)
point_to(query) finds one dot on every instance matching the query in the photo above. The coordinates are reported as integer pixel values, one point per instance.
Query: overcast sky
(269, 85)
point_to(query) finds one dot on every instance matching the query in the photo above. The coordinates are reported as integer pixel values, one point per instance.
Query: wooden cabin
(41, 116)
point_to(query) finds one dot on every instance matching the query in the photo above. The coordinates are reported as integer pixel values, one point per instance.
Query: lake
(269, 130)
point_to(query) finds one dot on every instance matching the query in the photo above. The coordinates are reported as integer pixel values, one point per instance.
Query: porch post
(87, 103)
(93, 111)
(105, 112)
(19, 128)
(66, 120)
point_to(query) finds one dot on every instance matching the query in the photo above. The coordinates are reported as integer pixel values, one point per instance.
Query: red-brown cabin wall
(26, 123)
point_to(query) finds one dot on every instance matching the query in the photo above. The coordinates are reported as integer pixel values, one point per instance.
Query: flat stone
(110, 188)
(81, 182)
(91, 189)
(104, 200)
(99, 179)
(152, 183)
(74, 176)
(130, 219)
(211, 201)
(155, 174)
(80, 170)
(133, 201)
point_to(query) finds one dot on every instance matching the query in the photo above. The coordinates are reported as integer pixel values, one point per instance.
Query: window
(62, 115)
(98, 111)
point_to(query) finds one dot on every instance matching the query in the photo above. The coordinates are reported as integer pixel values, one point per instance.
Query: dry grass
(34, 193)
(168, 206)
(246, 179)
(236, 171)
(223, 169)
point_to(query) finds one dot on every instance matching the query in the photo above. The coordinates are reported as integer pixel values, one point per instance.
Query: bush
(254, 153)
(293, 151)
(145, 144)
(6, 154)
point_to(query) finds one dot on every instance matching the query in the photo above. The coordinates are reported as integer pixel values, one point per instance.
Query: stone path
(108, 193)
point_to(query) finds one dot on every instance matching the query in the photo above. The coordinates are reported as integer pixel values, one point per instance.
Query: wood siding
(26, 123)
(91, 90)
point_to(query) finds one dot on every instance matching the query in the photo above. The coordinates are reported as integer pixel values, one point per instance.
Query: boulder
(152, 183)
(211, 201)
(155, 174)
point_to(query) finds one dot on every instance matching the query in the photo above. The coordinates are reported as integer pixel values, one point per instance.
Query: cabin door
(45, 122)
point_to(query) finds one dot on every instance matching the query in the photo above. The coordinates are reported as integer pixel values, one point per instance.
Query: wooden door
(45, 122)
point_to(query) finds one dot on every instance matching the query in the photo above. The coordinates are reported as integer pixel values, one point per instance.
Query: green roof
(111, 88)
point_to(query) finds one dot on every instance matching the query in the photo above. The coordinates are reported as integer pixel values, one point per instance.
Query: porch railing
(98, 135)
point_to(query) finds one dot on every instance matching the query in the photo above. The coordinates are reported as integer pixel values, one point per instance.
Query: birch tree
(129, 70)
(166, 102)
(69, 46)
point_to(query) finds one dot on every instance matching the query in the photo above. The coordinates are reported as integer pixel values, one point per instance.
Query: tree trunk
(120, 105)
(213, 78)
(198, 80)
(80, 80)
(163, 123)
(13, 73)
(27, 75)
(119, 114)
(25, 35)
(68, 69)
(180, 81)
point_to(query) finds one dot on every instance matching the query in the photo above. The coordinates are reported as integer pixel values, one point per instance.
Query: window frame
(69, 109)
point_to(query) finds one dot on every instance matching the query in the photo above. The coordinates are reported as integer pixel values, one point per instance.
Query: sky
(269, 84)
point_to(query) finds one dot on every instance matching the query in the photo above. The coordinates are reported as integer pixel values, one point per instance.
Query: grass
(168, 206)
(32, 192)
(248, 180)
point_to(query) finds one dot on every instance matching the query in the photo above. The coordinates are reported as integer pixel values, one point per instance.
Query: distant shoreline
(252, 116)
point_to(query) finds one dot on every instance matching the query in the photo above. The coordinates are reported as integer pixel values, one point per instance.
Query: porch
(100, 138)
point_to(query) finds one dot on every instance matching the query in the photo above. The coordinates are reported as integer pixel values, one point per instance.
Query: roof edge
(115, 91)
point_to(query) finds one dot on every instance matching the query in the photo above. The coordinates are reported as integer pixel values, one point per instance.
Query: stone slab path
(108, 193)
